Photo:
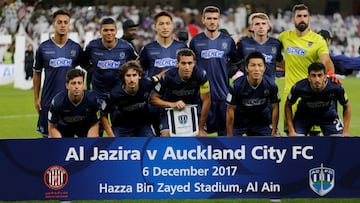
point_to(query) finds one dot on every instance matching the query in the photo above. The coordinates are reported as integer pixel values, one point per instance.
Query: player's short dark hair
(210, 9)
(254, 55)
(162, 13)
(132, 64)
(73, 73)
(60, 12)
(107, 21)
(299, 7)
(316, 66)
(185, 52)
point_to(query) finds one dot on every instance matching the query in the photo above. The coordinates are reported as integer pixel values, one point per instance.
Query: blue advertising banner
(179, 168)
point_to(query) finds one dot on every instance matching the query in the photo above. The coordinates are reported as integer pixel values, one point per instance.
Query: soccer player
(301, 47)
(74, 112)
(128, 104)
(160, 54)
(248, 98)
(180, 87)
(318, 95)
(214, 52)
(107, 54)
(55, 56)
(260, 41)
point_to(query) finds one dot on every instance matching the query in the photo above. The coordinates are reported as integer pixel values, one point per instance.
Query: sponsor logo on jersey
(212, 53)
(322, 179)
(60, 62)
(165, 62)
(296, 51)
(108, 64)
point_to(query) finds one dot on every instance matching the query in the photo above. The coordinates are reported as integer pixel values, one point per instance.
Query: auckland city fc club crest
(183, 119)
(322, 179)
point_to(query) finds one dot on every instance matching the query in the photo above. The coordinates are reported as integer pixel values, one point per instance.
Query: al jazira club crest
(322, 180)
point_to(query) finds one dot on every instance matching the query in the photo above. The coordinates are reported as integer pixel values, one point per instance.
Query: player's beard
(302, 26)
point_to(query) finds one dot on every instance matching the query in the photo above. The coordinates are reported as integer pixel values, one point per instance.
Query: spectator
(29, 62)
(129, 28)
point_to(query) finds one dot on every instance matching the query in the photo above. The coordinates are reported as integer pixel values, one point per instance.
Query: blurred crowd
(17, 17)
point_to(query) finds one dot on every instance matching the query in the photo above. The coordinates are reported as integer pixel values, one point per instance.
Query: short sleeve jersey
(214, 56)
(172, 88)
(129, 110)
(66, 114)
(155, 58)
(106, 63)
(299, 53)
(317, 103)
(249, 100)
(271, 49)
(56, 62)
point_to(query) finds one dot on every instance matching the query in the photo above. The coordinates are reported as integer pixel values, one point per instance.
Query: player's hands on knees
(179, 105)
(333, 77)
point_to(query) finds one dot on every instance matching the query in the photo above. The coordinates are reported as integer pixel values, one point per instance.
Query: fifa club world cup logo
(56, 177)
(322, 179)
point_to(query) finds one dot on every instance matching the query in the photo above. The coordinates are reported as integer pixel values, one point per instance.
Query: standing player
(260, 41)
(214, 52)
(181, 87)
(318, 95)
(248, 98)
(56, 56)
(75, 111)
(301, 47)
(107, 54)
(160, 54)
(128, 104)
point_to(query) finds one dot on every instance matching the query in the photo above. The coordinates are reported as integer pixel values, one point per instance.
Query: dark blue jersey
(252, 102)
(70, 116)
(129, 110)
(106, 63)
(214, 55)
(172, 88)
(317, 103)
(154, 58)
(345, 62)
(56, 61)
(271, 49)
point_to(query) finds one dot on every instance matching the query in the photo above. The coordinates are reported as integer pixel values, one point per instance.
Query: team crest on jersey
(183, 119)
(73, 53)
(273, 50)
(310, 44)
(322, 180)
(266, 92)
(224, 45)
(122, 55)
